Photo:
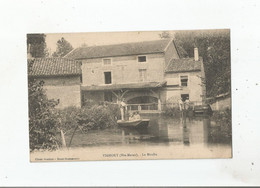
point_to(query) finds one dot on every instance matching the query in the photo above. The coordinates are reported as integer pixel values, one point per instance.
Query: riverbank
(222, 131)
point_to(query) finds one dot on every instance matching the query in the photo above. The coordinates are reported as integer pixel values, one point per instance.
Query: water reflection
(162, 130)
(186, 133)
(165, 130)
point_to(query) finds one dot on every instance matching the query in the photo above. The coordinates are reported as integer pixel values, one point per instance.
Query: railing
(191, 104)
(152, 106)
(144, 106)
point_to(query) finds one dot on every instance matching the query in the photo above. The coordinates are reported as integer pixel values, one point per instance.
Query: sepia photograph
(130, 93)
(136, 95)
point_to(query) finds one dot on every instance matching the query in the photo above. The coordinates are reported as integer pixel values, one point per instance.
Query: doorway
(108, 78)
(184, 97)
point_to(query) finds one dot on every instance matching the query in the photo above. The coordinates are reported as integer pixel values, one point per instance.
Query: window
(106, 61)
(108, 79)
(108, 96)
(184, 97)
(141, 58)
(142, 75)
(184, 80)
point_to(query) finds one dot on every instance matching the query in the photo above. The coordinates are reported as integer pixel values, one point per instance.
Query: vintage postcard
(129, 95)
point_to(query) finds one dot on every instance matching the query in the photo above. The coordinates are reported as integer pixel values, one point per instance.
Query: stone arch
(142, 100)
(135, 94)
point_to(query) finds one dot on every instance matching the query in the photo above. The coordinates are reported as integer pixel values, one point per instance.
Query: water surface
(161, 131)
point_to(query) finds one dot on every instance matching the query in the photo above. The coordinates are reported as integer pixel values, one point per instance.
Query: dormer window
(141, 58)
(106, 61)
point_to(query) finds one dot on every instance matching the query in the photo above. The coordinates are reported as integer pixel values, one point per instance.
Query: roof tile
(184, 64)
(54, 67)
(136, 48)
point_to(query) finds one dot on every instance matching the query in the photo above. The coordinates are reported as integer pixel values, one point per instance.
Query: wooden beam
(115, 94)
(154, 93)
(124, 93)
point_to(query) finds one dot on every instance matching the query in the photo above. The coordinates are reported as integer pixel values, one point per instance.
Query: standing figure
(180, 104)
(187, 104)
(123, 109)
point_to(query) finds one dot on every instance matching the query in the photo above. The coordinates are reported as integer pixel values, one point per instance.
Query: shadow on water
(162, 130)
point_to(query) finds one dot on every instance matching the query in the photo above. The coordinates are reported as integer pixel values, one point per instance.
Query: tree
(181, 50)
(165, 35)
(43, 123)
(36, 45)
(63, 48)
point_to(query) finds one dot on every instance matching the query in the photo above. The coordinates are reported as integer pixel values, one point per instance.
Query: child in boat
(137, 115)
(131, 116)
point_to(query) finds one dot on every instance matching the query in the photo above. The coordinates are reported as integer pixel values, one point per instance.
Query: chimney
(196, 54)
(29, 55)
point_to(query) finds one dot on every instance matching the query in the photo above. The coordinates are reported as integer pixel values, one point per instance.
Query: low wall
(221, 104)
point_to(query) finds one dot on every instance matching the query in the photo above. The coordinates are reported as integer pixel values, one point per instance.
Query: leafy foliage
(63, 48)
(96, 117)
(74, 119)
(42, 117)
(68, 118)
(37, 45)
(223, 129)
(172, 111)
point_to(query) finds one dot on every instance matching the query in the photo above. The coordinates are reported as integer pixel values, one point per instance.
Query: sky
(99, 38)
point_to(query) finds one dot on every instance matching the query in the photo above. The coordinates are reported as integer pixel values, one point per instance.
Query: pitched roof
(183, 65)
(146, 47)
(54, 67)
(139, 85)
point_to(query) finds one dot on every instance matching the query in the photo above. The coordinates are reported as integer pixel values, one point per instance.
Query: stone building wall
(221, 104)
(64, 89)
(123, 69)
(174, 88)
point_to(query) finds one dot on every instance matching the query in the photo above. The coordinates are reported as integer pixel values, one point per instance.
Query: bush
(87, 118)
(96, 117)
(172, 111)
(114, 110)
(89, 103)
(223, 132)
(68, 118)
(42, 118)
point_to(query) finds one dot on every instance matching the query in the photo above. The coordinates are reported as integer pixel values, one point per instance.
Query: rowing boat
(139, 123)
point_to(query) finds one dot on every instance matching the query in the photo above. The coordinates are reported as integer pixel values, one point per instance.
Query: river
(161, 131)
(164, 138)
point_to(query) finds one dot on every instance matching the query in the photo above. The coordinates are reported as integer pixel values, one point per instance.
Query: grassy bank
(175, 112)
